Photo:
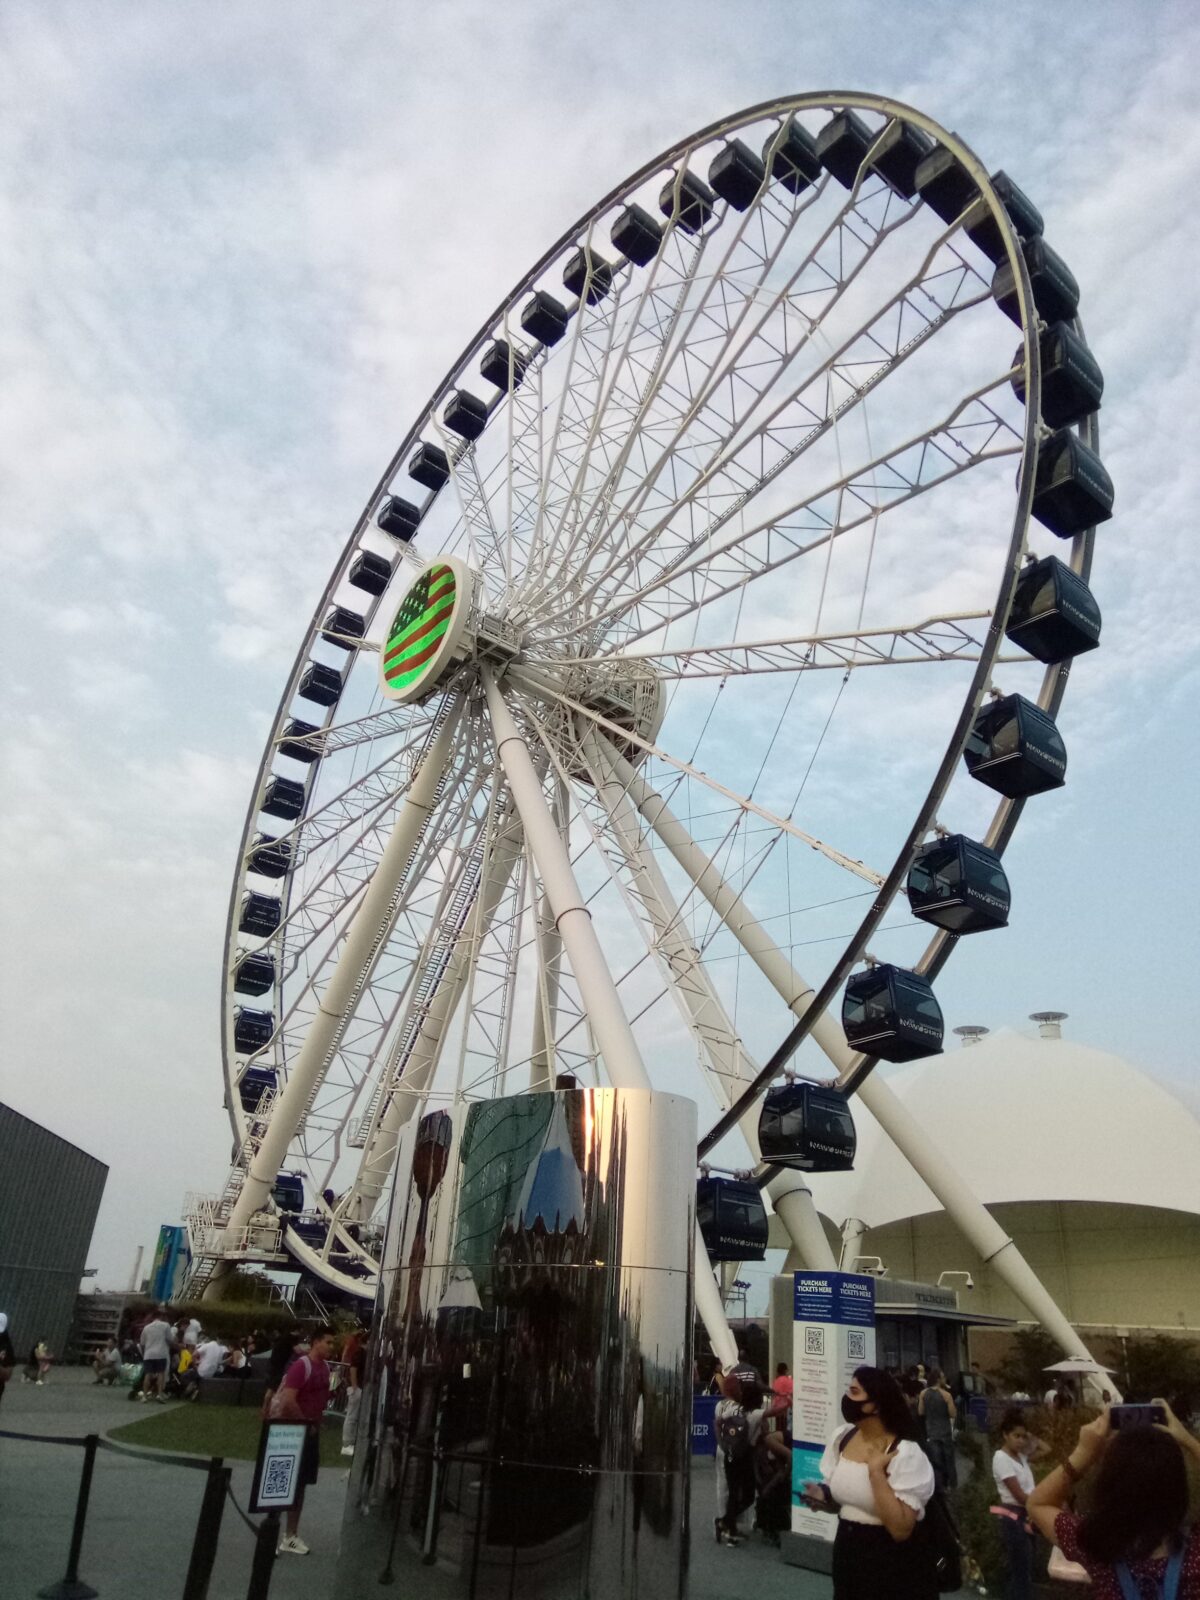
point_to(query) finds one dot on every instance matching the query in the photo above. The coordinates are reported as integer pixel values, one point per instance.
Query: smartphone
(1137, 1416)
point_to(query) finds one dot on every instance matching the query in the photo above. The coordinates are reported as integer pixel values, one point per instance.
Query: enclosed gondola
(270, 856)
(807, 1126)
(1072, 382)
(1071, 490)
(260, 914)
(293, 743)
(343, 627)
(288, 1192)
(688, 201)
(283, 798)
(959, 884)
(254, 973)
(892, 1013)
(1054, 614)
(251, 1029)
(732, 1219)
(636, 235)
(1015, 748)
(254, 1085)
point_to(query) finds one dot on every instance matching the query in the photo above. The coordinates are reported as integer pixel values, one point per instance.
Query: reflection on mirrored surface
(530, 1390)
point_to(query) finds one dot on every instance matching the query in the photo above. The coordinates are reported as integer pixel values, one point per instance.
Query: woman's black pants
(869, 1564)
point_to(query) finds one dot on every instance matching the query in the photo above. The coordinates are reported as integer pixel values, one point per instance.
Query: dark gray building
(49, 1195)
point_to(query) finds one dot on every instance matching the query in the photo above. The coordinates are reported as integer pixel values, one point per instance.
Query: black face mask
(854, 1410)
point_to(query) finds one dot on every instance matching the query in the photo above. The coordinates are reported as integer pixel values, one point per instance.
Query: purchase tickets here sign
(833, 1319)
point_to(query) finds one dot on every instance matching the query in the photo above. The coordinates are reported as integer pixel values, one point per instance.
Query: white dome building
(1092, 1167)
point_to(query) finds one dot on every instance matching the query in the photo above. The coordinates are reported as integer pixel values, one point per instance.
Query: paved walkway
(143, 1514)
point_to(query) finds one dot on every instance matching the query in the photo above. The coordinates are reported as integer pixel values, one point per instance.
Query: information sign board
(833, 1319)
(277, 1469)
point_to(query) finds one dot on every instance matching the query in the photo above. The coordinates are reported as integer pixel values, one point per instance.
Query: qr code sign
(814, 1341)
(856, 1345)
(277, 1477)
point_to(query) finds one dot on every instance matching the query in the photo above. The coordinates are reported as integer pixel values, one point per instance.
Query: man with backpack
(737, 1428)
(302, 1397)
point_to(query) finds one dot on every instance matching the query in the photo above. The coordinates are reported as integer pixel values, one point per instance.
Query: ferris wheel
(707, 628)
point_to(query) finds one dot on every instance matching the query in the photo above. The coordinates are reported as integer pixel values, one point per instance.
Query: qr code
(814, 1341)
(277, 1477)
(856, 1345)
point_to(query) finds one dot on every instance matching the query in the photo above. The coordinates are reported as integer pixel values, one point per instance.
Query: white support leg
(548, 948)
(852, 1237)
(548, 944)
(363, 945)
(978, 1226)
(614, 1036)
(622, 1059)
(720, 1046)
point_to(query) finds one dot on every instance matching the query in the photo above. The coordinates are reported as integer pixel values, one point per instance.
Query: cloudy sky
(240, 245)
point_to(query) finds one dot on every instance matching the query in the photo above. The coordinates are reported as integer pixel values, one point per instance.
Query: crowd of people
(886, 1468)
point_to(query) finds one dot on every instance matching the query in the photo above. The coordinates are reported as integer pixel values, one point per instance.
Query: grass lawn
(228, 1431)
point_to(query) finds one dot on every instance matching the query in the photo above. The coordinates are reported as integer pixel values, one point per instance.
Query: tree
(1024, 1367)
(1159, 1365)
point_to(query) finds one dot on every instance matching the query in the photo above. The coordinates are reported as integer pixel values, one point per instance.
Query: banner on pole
(833, 1316)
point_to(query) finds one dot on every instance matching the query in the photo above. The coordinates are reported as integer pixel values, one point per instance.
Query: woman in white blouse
(878, 1481)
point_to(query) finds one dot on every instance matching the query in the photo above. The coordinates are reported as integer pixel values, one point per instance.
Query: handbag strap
(1168, 1589)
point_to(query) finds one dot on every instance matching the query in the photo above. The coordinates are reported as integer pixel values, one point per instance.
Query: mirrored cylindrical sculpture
(530, 1388)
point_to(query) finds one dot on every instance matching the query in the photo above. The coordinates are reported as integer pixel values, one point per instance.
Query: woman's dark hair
(1014, 1417)
(1140, 1497)
(884, 1393)
(731, 1389)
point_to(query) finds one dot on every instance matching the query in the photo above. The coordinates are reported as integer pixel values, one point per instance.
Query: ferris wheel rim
(831, 101)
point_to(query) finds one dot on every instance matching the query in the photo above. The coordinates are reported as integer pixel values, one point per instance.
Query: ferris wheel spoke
(541, 686)
(750, 458)
(944, 638)
(357, 1050)
(754, 371)
(625, 385)
(972, 435)
(327, 899)
(654, 356)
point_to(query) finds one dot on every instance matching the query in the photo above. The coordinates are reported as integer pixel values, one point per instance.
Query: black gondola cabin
(892, 1013)
(958, 884)
(807, 1126)
(732, 1219)
(1016, 749)
(1054, 614)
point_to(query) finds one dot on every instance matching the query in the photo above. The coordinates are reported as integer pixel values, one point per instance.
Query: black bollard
(72, 1587)
(264, 1557)
(208, 1530)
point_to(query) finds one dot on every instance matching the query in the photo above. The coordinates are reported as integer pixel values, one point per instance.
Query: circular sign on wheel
(426, 634)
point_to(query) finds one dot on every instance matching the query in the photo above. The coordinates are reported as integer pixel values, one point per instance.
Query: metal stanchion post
(264, 1557)
(208, 1530)
(72, 1587)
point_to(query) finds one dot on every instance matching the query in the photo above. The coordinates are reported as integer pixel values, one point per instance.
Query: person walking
(936, 1409)
(354, 1355)
(737, 1428)
(1014, 1484)
(155, 1345)
(877, 1481)
(1134, 1541)
(302, 1397)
